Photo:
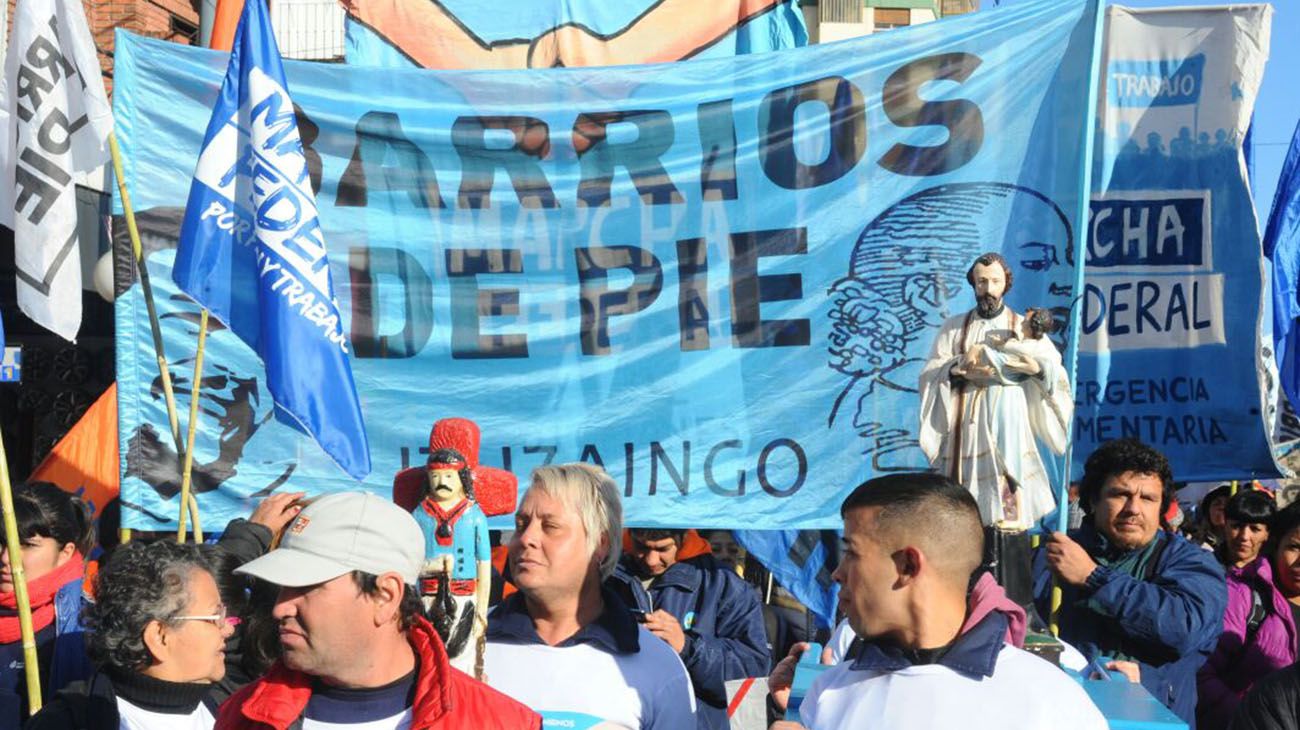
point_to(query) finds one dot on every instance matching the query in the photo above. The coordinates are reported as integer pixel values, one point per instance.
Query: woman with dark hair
(55, 529)
(1245, 527)
(1210, 521)
(1259, 630)
(158, 630)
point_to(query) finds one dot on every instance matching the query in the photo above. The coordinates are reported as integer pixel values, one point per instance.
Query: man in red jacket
(356, 647)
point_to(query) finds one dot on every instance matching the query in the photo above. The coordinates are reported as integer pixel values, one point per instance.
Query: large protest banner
(718, 278)
(468, 34)
(1170, 349)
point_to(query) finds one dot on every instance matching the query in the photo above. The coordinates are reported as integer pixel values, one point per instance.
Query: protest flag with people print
(251, 249)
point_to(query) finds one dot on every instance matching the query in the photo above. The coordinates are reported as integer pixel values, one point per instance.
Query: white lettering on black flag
(56, 122)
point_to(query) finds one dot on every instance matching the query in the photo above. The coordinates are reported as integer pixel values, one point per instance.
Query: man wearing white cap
(356, 649)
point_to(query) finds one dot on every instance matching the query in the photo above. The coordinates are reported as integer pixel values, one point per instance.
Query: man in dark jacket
(706, 613)
(1147, 601)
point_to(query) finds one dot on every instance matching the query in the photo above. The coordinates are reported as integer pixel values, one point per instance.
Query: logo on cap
(299, 524)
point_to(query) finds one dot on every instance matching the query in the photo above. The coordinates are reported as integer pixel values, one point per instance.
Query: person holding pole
(55, 529)
(1135, 598)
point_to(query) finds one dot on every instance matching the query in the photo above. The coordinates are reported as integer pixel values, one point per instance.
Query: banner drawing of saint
(907, 276)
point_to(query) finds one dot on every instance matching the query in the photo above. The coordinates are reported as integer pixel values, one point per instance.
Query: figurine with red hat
(457, 571)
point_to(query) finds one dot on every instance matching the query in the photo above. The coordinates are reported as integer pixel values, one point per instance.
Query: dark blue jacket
(1170, 621)
(61, 652)
(722, 618)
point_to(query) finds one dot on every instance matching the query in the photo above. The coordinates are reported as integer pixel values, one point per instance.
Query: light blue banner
(718, 278)
(470, 34)
(1170, 351)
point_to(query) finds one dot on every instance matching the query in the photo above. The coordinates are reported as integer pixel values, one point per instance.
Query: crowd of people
(307, 615)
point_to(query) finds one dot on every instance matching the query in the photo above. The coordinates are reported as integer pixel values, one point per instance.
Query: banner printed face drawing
(907, 274)
(232, 406)
(458, 35)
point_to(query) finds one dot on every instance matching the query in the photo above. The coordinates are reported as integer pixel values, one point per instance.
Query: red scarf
(40, 593)
(444, 518)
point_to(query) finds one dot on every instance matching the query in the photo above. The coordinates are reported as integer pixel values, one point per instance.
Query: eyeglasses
(218, 619)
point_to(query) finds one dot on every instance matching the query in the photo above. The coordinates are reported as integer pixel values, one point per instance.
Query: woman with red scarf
(56, 532)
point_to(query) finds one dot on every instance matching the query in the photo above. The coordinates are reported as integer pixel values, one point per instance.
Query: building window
(841, 11)
(887, 18)
(183, 31)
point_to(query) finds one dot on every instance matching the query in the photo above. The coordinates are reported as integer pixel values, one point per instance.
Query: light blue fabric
(469, 541)
(725, 299)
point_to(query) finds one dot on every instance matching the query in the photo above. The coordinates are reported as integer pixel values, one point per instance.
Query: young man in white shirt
(911, 544)
(563, 645)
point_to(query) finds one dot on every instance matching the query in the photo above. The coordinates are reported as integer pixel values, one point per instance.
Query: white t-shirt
(132, 717)
(585, 685)
(1023, 692)
(400, 721)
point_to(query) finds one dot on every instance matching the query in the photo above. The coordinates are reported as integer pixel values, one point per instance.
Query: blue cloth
(974, 653)
(252, 250)
(1282, 247)
(1170, 623)
(469, 540)
(801, 561)
(60, 649)
(722, 618)
(614, 631)
(532, 22)
(706, 231)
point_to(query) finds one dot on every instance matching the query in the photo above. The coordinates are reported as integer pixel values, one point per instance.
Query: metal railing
(309, 29)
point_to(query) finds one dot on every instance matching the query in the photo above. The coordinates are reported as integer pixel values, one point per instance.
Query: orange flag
(85, 461)
(224, 24)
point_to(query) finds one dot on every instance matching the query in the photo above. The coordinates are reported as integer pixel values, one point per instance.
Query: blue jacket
(723, 621)
(1170, 621)
(62, 656)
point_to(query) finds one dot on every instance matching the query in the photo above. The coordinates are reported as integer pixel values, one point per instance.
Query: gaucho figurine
(458, 557)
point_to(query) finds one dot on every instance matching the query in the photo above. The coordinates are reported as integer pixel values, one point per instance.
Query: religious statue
(992, 388)
(451, 496)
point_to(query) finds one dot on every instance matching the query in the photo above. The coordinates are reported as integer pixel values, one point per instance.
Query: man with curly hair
(981, 426)
(1143, 600)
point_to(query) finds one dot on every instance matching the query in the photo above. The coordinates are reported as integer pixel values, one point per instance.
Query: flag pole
(14, 544)
(146, 287)
(187, 471)
(1076, 312)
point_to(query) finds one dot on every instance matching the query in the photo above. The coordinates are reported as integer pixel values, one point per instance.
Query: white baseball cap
(340, 533)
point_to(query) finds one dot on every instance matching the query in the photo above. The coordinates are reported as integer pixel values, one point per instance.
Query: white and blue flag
(251, 248)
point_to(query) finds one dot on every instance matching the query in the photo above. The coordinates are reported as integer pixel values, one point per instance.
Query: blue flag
(1282, 247)
(252, 251)
(802, 562)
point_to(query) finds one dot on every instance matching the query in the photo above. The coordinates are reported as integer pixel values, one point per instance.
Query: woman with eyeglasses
(56, 532)
(157, 636)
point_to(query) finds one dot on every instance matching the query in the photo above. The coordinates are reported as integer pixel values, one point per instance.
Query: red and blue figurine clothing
(461, 533)
(464, 537)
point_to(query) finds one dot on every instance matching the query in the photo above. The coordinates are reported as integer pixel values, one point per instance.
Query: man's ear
(909, 562)
(387, 598)
(155, 640)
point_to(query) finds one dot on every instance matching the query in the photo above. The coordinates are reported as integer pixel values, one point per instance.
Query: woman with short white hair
(564, 623)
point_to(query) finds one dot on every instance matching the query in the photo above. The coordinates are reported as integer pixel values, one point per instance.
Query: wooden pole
(31, 665)
(187, 471)
(155, 328)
